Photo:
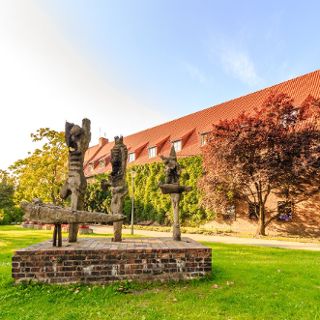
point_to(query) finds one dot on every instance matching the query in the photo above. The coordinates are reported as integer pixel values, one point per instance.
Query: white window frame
(131, 157)
(203, 139)
(285, 210)
(101, 164)
(177, 145)
(152, 152)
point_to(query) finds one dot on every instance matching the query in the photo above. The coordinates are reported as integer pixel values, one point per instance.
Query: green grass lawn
(247, 283)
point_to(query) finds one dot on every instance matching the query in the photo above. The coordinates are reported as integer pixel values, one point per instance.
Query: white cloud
(45, 81)
(194, 72)
(239, 65)
(234, 59)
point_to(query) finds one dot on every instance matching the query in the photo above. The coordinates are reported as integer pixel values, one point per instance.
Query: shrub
(10, 215)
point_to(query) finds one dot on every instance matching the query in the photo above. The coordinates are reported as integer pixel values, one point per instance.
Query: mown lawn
(247, 283)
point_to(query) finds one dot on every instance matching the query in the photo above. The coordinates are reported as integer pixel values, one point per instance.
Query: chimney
(102, 141)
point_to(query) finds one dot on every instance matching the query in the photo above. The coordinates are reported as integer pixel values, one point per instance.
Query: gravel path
(220, 239)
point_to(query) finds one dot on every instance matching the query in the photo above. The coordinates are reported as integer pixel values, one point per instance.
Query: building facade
(188, 134)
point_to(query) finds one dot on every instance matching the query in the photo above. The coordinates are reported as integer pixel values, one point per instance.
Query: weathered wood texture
(46, 213)
(77, 139)
(172, 187)
(176, 231)
(119, 189)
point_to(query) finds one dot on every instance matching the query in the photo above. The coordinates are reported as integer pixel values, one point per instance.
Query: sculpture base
(99, 260)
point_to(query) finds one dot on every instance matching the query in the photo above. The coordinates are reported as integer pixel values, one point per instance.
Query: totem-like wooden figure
(173, 187)
(117, 181)
(77, 139)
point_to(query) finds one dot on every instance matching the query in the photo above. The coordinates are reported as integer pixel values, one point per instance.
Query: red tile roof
(190, 127)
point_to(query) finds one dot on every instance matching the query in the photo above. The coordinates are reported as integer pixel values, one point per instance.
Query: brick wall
(82, 264)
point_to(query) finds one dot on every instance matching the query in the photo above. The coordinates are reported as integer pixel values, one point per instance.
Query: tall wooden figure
(117, 181)
(77, 139)
(173, 187)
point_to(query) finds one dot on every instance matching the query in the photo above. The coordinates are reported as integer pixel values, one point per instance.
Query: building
(188, 134)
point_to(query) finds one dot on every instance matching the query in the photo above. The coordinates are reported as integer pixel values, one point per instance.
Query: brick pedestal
(98, 260)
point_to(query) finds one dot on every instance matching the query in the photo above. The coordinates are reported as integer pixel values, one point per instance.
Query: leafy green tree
(6, 190)
(97, 199)
(42, 173)
(8, 211)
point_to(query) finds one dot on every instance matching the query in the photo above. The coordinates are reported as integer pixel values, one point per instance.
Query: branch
(267, 194)
(271, 219)
(252, 193)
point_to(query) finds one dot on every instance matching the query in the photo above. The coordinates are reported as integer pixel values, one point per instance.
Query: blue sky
(131, 64)
(184, 55)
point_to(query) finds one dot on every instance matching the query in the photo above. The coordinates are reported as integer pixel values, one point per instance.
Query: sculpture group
(77, 140)
(100, 260)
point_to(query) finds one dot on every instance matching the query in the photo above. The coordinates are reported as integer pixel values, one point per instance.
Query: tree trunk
(262, 221)
(175, 198)
(261, 231)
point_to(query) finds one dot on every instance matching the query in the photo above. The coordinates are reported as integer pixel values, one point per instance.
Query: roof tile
(199, 122)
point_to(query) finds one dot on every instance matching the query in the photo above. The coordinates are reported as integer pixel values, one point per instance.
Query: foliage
(96, 198)
(43, 172)
(10, 215)
(274, 149)
(6, 190)
(236, 290)
(8, 211)
(150, 203)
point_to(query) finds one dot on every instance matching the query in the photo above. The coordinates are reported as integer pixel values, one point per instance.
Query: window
(90, 167)
(203, 139)
(177, 145)
(101, 164)
(253, 211)
(285, 209)
(132, 157)
(230, 213)
(152, 152)
(289, 118)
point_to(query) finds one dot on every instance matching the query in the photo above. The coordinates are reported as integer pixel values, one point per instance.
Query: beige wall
(305, 220)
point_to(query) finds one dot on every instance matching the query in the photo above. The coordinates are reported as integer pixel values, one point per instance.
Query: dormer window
(152, 152)
(101, 164)
(177, 145)
(203, 139)
(131, 157)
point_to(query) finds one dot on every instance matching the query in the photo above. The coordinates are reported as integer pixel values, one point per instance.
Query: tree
(6, 190)
(96, 198)
(272, 150)
(8, 211)
(42, 173)
(298, 177)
